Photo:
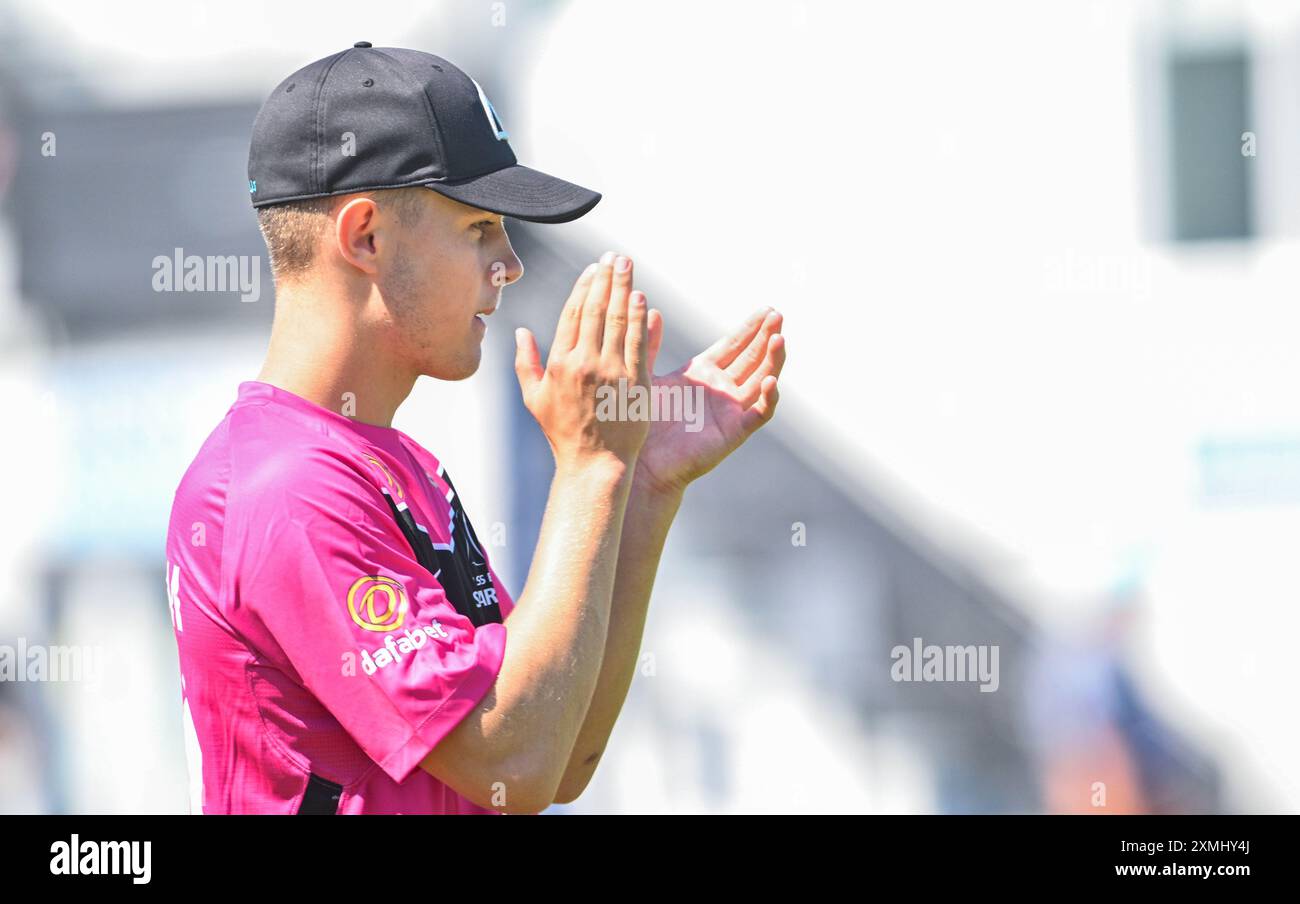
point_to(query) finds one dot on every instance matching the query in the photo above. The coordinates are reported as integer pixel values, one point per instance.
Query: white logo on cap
(490, 112)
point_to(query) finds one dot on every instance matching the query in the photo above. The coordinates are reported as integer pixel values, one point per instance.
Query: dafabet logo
(395, 648)
(362, 598)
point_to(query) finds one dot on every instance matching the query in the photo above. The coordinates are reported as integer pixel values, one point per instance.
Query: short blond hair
(292, 230)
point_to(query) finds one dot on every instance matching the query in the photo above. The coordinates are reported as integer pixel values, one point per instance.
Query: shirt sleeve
(369, 631)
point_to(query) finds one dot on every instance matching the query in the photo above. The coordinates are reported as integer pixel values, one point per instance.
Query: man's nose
(508, 269)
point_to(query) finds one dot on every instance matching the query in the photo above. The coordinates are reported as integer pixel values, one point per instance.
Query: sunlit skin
(387, 302)
(739, 373)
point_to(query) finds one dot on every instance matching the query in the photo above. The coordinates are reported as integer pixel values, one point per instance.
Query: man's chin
(460, 370)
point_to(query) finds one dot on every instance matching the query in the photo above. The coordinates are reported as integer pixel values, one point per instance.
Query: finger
(528, 364)
(773, 361)
(566, 334)
(748, 360)
(655, 331)
(761, 411)
(637, 342)
(592, 329)
(614, 343)
(724, 351)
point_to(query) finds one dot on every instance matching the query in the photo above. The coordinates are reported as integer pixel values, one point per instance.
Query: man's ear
(356, 232)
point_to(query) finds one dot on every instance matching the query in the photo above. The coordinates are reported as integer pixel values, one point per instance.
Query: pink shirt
(335, 614)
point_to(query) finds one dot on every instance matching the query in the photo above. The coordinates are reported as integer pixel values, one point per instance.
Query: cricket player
(345, 644)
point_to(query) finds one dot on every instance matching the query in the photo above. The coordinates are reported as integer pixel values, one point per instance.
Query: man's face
(446, 272)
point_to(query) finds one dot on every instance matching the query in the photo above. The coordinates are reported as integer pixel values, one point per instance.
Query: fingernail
(607, 258)
(621, 263)
(519, 336)
(638, 299)
(591, 268)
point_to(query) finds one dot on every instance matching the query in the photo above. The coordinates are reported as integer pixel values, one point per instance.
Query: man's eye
(484, 225)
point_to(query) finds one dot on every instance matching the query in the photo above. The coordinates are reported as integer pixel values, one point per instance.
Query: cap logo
(490, 112)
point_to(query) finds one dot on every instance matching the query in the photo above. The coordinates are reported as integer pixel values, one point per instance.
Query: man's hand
(738, 374)
(601, 339)
(738, 380)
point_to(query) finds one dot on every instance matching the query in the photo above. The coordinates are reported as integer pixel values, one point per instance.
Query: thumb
(528, 365)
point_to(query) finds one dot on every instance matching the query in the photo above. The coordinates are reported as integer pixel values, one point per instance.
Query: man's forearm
(649, 515)
(559, 625)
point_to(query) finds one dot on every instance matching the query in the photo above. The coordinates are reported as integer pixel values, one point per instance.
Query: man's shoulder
(261, 457)
(277, 456)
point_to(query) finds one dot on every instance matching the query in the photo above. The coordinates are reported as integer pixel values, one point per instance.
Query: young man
(345, 645)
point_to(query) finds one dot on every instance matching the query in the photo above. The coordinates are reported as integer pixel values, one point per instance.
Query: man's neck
(331, 360)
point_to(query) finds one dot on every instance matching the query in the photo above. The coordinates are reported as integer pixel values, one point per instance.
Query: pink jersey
(336, 615)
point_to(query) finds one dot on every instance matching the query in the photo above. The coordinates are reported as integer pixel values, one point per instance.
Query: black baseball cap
(384, 117)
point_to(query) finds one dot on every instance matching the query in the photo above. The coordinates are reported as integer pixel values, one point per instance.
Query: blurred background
(1038, 264)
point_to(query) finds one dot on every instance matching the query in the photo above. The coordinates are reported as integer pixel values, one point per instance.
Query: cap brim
(523, 193)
